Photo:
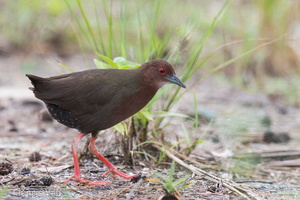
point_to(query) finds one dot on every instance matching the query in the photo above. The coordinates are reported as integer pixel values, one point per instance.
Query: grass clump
(169, 183)
(131, 30)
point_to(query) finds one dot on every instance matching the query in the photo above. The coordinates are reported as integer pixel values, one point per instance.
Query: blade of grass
(108, 16)
(187, 137)
(108, 60)
(63, 65)
(141, 53)
(78, 23)
(147, 154)
(198, 49)
(179, 181)
(172, 170)
(99, 29)
(196, 112)
(122, 26)
(87, 23)
(149, 142)
(152, 23)
(221, 66)
(188, 66)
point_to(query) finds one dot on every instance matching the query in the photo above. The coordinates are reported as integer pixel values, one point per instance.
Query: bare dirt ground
(253, 143)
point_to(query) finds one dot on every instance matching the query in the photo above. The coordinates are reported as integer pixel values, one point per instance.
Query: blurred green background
(181, 31)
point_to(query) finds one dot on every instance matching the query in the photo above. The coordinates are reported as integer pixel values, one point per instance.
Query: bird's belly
(62, 116)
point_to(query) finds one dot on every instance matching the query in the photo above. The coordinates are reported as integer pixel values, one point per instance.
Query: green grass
(110, 30)
(20, 26)
(3, 192)
(169, 183)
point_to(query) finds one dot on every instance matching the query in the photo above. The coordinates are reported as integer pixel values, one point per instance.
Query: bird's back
(92, 100)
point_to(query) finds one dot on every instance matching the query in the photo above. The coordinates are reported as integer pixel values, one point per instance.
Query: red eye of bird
(162, 71)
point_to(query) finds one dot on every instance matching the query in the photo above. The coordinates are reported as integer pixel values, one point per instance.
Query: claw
(116, 172)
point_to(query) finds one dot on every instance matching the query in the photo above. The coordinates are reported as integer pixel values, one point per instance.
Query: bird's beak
(175, 80)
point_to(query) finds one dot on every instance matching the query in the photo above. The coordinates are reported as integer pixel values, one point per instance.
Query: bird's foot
(116, 172)
(81, 180)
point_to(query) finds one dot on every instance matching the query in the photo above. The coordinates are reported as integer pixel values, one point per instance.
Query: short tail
(34, 81)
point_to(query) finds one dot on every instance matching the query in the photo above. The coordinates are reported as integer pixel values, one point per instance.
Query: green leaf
(122, 62)
(158, 95)
(179, 181)
(146, 114)
(159, 175)
(63, 65)
(121, 128)
(185, 186)
(161, 156)
(176, 144)
(101, 65)
(187, 136)
(108, 60)
(172, 170)
(200, 142)
(196, 112)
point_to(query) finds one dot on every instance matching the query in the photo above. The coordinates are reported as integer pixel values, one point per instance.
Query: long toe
(68, 179)
(121, 174)
(81, 180)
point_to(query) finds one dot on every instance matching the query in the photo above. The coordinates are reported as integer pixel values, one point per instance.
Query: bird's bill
(175, 80)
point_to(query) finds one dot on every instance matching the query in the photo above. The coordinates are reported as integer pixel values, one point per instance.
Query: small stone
(25, 171)
(135, 179)
(271, 137)
(46, 181)
(35, 157)
(5, 168)
(13, 125)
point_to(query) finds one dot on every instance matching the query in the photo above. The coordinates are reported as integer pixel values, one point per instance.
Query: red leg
(111, 167)
(77, 175)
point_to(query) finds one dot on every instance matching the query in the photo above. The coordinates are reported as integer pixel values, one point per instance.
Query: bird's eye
(162, 71)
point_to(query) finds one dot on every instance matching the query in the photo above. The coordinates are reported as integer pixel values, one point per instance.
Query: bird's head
(160, 72)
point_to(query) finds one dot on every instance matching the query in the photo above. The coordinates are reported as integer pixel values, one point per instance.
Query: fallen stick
(247, 194)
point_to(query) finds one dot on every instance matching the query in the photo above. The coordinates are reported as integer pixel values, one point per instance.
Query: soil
(253, 142)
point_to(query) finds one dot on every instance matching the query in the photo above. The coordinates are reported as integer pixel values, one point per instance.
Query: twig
(256, 181)
(5, 182)
(232, 186)
(182, 156)
(76, 190)
(9, 161)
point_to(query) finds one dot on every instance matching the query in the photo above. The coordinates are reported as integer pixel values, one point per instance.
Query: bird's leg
(77, 174)
(111, 167)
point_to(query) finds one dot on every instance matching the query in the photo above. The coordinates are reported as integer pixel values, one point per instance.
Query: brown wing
(71, 91)
(84, 98)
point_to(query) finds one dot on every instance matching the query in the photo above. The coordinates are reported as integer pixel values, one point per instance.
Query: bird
(97, 99)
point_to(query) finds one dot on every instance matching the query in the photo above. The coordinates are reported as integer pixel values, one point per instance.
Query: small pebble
(35, 157)
(25, 171)
(271, 137)
(5, 168)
